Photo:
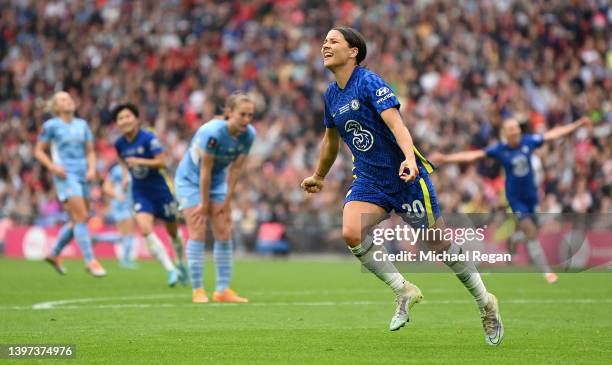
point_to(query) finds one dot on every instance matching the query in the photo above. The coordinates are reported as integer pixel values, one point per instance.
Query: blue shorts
(160, 204)
(523, 207)
(188, 194)
(73, 185)
(417, 204)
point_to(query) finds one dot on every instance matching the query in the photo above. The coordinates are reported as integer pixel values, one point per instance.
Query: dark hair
(354, 39)
(129, 106)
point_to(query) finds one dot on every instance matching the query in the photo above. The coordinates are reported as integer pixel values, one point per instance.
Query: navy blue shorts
(417, 204)
(523, 207)
(160, 204)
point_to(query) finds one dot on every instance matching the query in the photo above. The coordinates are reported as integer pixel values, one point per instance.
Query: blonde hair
(51, 103)
(235, 99)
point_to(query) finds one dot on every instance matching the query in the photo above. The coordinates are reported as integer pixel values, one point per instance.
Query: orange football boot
(228, 295)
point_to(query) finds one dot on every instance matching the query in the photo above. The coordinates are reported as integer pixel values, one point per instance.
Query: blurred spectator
(459, 68)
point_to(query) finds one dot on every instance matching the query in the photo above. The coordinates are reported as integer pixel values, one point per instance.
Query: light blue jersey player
(142, 154)
(72, 162)
(521, 190)
(390, 174)
(118, 186)
(205, 181)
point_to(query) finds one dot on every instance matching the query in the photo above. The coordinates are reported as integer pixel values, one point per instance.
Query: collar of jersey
(348, 83)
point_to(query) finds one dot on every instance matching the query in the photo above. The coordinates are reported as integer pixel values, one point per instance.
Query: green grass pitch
(301, 311)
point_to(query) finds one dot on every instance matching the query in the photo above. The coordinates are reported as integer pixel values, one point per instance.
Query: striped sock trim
(195, 262)
(223, 252)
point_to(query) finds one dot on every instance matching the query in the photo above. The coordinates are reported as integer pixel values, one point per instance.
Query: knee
(196, 232)
(351, 236)
(146, 229)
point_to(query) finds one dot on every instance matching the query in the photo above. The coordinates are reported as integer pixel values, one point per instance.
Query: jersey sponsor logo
(363, 139)
(140, 172)
(354, 104)
(212, 142)
(155, 144)
(384, 98)
(520, 166)
(382, 91)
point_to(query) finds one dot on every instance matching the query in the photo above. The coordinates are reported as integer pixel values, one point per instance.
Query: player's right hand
(312, 184)
(199, 214)
(436, 158)
(58, 171)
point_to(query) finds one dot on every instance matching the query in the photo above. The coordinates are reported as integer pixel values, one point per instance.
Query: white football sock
(157, 249)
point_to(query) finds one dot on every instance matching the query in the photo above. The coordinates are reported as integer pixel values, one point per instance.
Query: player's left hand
(408, 170)
(131, 161)
(312, 184)
(90, 175)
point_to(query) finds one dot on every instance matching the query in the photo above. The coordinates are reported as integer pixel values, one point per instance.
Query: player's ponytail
(354, 40)
(50, 104)
(235, 99)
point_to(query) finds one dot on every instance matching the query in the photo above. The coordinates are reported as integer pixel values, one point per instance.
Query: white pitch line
(70, 303)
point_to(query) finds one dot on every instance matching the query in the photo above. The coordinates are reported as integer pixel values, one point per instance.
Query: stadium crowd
(458, 67)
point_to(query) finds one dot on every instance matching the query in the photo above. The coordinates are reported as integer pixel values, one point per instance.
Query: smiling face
(336, 51)
(127, 121)
(512, 132)
(241, 115)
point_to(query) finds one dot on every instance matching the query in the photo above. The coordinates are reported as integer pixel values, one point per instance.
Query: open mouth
(327, 55)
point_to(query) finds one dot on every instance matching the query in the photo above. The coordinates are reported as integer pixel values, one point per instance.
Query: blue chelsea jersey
(144, 145)
(355, 112)
(68, 143)
(520, 181)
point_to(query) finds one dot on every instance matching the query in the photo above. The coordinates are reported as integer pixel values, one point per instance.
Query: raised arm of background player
(472, 156)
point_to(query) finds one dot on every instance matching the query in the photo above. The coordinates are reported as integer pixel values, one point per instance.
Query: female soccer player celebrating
(521, 189)
(205, 185)
(390, 174)
(73, 165)
(141, 153)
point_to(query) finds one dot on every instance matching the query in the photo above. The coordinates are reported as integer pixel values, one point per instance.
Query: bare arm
(393, 120)
(327, 156)
(562, 131)
(41, 154)
(158, 161)
(91, 161)
(206, 163)
(235, 170)
(459, 157)
(329, 151)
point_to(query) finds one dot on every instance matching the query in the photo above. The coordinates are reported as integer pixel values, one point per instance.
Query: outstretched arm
(562, 131)
(459, 157)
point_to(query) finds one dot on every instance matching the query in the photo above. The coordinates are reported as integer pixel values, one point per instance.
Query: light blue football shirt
(214, 138)
(68, 143)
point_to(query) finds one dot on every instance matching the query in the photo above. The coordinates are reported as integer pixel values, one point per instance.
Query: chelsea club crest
(354, 104)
